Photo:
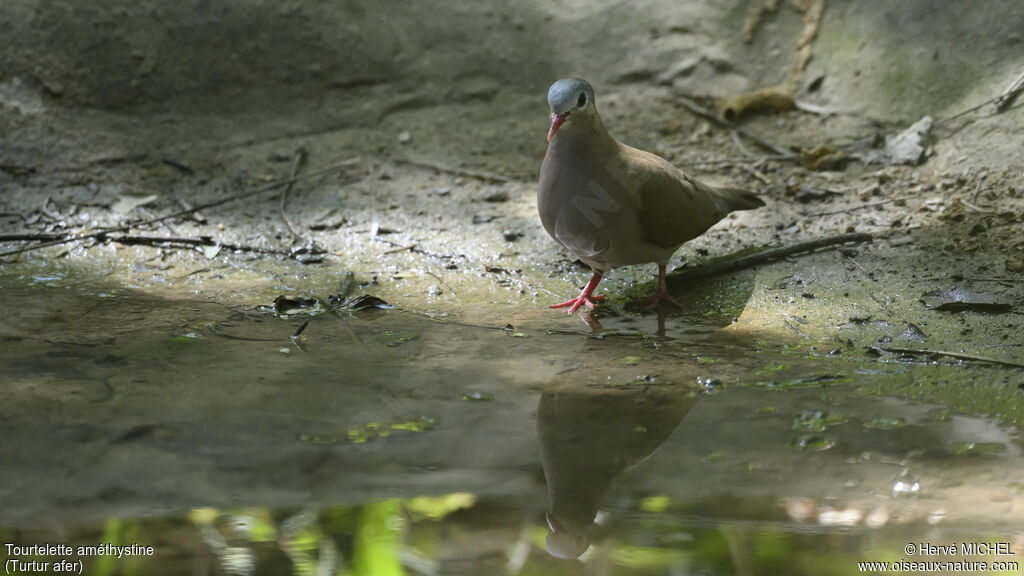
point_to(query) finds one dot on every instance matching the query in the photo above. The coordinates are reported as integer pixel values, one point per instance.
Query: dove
(614, 205)
(588, 437)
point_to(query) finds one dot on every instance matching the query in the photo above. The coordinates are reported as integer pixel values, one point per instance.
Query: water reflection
(588, 436)
(122, 415)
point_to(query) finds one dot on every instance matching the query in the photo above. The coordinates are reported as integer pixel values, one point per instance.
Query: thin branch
(868, 273)
(485, 176)
(731, 264)
(858, 207)
(804, 106)
(1002, 102)
(760, 140)
(266, 188)
(136, 240)
(300, 154)
(29, 237)
(957, 355)
(400, 249)
(413, 248)
(443, 283)
(1006, 99)
(755, 173)
(740, 145)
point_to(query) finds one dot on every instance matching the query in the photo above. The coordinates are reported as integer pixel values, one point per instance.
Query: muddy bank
(817, 405)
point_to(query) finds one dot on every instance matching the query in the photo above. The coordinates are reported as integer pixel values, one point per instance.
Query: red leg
(585, 298)
(661, 293)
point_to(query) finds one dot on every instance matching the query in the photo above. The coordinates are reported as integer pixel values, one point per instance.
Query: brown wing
(674, 207)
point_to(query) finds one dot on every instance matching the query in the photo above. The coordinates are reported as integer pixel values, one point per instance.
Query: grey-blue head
(567, 96)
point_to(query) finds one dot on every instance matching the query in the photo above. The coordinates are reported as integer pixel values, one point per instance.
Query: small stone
(434, 290)
(496, 196)
(671, 127)
(869, 192)
(478, 397)
(511, 236)
(404, 137)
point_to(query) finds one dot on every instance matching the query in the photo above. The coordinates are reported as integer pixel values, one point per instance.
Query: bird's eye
(582, 101)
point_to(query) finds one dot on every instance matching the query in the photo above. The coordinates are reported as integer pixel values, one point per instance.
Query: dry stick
(732, 264)
(957, 355)
(413, 248)
(400, 249)
(813, 108)
(755, 173)
(443, 283)
(154, 240)
(1002, 102)
(740, 145)
(866, 272)
(858, 207)
(46, 210)
(1010, 94)
(300, 154)
(271, 186)
(760, 140)
(485, 176)
(734, 161)
(26, 237)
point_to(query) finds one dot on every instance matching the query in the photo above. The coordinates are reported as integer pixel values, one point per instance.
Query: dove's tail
(733, 199)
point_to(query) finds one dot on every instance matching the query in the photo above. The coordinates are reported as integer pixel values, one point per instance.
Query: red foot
(585, 298)
(661, 293)
(657, 297)
(581, 300)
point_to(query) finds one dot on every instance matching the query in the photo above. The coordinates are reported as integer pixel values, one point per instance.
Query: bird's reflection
(590, 435)
(590, 318)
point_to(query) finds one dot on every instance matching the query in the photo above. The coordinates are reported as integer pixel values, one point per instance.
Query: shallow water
(400, 442)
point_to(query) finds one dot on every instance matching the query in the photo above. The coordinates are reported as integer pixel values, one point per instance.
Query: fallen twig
(49, 213)
(443, 283)
(400, 249)
(733, 161)
(178, 164)
(485, 176)
(957, 355)
(857, 207)
(755, 173)
(266, 188)
(186, 241)
(1002, 102)
(866, 272)
(300, 154)
(1010, 94)
(760, 140)
(740, 145)
(298, 332)
(813, 108)
(27, 237)
(730, 264)
(413, 248)
(792, 327)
